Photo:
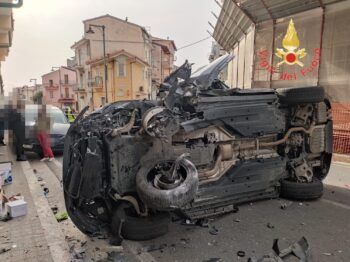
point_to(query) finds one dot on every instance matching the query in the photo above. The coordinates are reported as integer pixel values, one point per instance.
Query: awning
(236, 16)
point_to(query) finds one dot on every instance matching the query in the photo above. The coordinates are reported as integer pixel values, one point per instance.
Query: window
(51, 94)
(66, 91)
(103, 100)
(141, 89)
(121, 67)
(66, 79)
(51, 82)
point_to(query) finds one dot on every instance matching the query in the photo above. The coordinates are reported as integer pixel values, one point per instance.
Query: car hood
(57, 128)
(207, 74)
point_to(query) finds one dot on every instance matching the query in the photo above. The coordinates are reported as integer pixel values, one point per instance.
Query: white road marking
(335, 203)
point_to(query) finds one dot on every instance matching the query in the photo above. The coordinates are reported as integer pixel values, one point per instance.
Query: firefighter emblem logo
(290, 54)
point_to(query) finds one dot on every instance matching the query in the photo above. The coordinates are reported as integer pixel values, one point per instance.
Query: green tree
(38, 97)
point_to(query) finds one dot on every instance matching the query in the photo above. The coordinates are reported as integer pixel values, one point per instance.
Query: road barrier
(341, 128)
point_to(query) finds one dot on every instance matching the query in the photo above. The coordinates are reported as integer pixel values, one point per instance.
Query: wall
(240, 68)
(119, 35)
(335, 60)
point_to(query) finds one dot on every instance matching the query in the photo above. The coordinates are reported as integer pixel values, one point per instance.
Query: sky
(45, 30)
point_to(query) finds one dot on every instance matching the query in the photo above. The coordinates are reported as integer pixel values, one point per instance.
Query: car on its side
(200, 150)
(57, 132)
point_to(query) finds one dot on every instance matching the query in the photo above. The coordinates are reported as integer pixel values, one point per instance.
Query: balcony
(51, 87)
(67, 98)
(79, 88)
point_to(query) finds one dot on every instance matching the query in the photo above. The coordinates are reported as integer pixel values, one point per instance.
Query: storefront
(287, 43)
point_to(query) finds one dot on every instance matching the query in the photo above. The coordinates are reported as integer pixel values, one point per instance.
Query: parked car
(196, 153)
(56, 134)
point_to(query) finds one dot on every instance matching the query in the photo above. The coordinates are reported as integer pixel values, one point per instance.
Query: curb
(53, 234)
(341, 158)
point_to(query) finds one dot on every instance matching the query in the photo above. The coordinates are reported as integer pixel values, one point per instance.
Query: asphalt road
(324, 223)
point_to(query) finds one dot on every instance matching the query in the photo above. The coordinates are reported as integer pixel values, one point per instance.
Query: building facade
(6, 32)
(128, 58)
(317, 52)
(26, 92)
(58, 88)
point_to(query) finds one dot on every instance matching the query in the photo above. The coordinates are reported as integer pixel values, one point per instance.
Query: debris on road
(40, 179)
(46, 191)
(237, 220)
(185, 241)
(204, 222)
(269, 225)
(60, 216)
(241, 253)
(4, 249)
(151, 248)
(213, 230)
(54, 209)
(327, 254)
(213, 259)
(300, 250)
(285, 205)
(16, 208)
(213, 243)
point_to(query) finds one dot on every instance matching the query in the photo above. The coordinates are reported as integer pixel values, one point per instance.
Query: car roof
(34, 107)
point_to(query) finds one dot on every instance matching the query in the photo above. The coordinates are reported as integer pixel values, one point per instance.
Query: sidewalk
(24, 235)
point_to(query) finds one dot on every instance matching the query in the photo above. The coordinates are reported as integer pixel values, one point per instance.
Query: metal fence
(341, 128)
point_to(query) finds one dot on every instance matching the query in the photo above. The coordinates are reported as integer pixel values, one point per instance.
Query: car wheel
(302, 191)
(161, 186)
(127, 224)
(296, 95)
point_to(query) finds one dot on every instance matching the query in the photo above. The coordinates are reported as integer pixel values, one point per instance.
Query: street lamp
(34, 80)
(90, 31)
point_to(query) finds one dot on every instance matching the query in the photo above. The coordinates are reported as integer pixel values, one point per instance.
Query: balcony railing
(51, 87)
(78, 87)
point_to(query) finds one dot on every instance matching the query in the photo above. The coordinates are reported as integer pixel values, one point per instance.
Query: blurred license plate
(28, 146)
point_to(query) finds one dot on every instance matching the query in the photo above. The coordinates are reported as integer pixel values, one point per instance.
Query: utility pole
(90, 31)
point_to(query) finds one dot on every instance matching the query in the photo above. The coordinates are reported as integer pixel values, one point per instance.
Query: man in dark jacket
(17, 124)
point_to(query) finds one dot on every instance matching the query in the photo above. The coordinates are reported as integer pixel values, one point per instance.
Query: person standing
(69, 115)
(42, 135)
(17, 124)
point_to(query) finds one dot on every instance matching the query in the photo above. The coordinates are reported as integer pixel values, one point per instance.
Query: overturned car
(195, 153)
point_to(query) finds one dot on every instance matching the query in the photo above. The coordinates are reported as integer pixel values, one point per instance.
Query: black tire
(125, 224)
(162, 199)
(300, 95)
(302, 191)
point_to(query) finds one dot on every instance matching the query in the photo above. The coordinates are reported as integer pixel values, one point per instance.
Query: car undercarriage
(196, 152)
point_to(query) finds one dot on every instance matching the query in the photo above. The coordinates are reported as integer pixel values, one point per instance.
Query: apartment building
(128, 49)
(58, 86)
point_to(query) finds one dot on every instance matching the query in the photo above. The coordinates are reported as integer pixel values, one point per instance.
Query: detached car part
(197, 152)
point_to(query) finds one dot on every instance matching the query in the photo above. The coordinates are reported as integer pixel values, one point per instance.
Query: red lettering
(263, 53)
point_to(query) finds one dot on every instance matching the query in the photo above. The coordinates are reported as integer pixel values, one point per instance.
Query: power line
(185, 46)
